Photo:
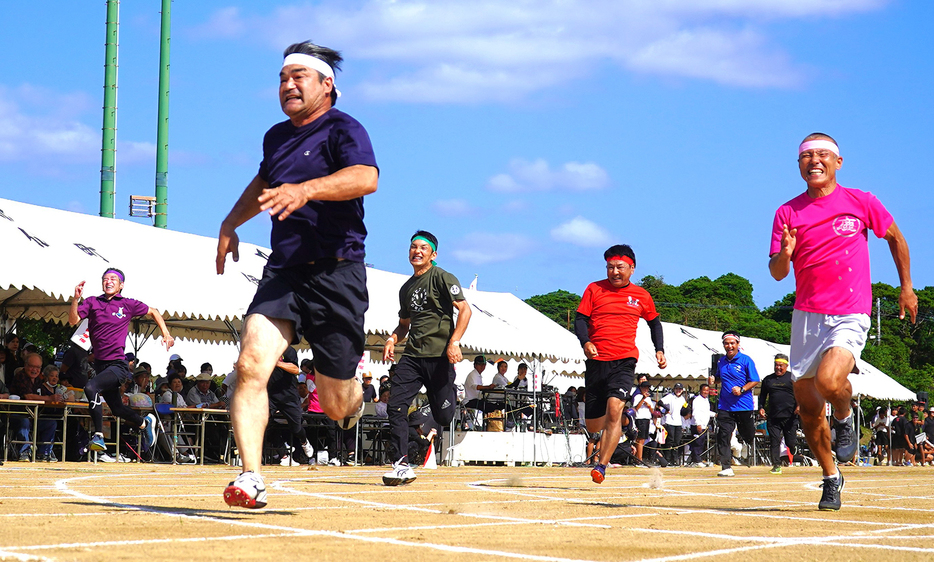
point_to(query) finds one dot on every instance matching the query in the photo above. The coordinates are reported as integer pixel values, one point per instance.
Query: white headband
(817, 144)
(313, 63)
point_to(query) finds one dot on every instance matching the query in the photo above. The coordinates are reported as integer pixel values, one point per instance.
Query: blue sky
(528, 136)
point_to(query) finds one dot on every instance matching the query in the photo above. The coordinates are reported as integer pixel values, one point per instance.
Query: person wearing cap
(369, 391)
(824, 233)
(737, 374)
(140, 382)
(778, 406)
(317, 166)
(109, 316)
(200, 395)
(673, 404)
(427, 302)
(605, 324)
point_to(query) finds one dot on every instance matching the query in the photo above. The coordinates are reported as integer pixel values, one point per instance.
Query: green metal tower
(162, 135)
(109, 136)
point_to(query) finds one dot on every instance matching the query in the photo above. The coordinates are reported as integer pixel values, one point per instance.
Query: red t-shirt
(614, 315)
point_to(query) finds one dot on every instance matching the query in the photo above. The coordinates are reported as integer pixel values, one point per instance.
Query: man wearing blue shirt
(738, 376)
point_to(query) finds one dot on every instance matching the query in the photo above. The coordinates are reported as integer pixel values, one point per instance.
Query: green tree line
(899, 348)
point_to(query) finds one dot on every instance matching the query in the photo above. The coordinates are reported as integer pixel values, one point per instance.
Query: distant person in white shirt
(673, 403)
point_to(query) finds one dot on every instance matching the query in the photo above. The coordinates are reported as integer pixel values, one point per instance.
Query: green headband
(430, 243)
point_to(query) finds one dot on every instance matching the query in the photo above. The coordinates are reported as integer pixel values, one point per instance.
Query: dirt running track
(69, 511)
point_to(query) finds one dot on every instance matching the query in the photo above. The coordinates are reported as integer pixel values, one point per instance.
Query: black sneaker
(846, 444)
(830, 499)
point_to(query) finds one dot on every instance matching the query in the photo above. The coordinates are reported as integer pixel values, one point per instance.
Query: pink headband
(818, 144)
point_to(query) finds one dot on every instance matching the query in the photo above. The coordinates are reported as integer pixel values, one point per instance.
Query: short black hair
(427, 235)
(330, 56)
(172, 377)
(522, 366)
(10, 336)
(818, 135)
(479, 359)
(308, 363)
(620, 250)
(206, 366)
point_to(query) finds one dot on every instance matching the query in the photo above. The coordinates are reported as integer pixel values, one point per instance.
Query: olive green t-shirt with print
(427, 300)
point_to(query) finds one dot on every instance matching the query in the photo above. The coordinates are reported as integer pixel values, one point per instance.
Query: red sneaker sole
(597, 476)
(236, 497)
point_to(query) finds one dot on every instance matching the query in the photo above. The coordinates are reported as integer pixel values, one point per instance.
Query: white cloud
(485, 247)
(581, 232)
(452, 207)
(447, 51)
(539, 176)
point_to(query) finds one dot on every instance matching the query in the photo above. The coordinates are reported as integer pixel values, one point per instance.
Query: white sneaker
(401, 473)
(104, 457)
(726, 472)
(334, 462)
(309, 450)
(247, 490)
(288, 461)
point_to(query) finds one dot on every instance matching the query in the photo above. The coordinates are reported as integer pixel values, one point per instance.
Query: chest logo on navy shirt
(847, 225)
(419, 298)
(307, 152)
(119, 313)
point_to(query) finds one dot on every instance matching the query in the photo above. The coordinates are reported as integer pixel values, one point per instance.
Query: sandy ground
(70, 511)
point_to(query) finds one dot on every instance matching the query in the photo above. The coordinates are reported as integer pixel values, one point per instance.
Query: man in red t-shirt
(605, 324)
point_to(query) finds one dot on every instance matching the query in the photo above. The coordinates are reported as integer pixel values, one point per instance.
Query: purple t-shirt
(320, 229)
(831, 256)
(109, 323)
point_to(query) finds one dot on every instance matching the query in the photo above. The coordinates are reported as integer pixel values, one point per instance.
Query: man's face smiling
(618, 272)
(111, 284)
(780, 368)
(303, 96)
(731, 346)
(421, 254)
(819, 168)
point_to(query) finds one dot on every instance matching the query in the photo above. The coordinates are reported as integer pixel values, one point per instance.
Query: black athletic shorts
(642, 426)
(607, 379)
(326, 302)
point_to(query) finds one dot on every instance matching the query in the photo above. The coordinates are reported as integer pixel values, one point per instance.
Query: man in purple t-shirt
(109, 317)
(824, 232)
(317, 167)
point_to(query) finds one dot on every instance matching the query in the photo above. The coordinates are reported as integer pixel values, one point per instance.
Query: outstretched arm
(343, 185)
(167, 338)
(463, 318)
(397, 335)
(247, 207)
(907, 299)
(73, 317)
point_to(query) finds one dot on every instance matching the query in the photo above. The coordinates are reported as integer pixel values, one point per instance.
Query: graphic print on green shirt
(427, 301)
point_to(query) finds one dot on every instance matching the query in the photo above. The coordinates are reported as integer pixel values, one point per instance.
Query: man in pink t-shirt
(824, 233)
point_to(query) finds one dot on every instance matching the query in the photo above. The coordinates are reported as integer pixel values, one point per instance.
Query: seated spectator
(474, 384)
(369, 391)
(3, 377)
(499, 379)
(11, 344)
(303, 392)
(384, 383)
(173, 395)
(383, 403)
(140, 383)
(200, 395)
(520, 382)
(28, 385)
(51, 383)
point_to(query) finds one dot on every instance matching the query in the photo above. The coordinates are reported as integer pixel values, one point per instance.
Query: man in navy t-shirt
(316, 168)
(738, 376)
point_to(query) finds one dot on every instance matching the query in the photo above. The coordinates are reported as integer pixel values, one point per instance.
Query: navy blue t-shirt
(320, 229)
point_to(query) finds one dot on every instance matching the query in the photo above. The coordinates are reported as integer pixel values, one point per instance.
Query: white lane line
(152, 541)
(63, 486)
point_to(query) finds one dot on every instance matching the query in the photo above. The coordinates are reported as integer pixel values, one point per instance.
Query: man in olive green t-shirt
(427, 302)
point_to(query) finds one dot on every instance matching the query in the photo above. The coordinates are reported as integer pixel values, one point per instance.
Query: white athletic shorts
(812, 334)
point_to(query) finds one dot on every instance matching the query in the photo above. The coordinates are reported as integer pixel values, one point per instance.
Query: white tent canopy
(48, 251)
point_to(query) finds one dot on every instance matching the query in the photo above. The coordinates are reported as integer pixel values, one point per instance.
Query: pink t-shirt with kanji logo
(831, 256)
